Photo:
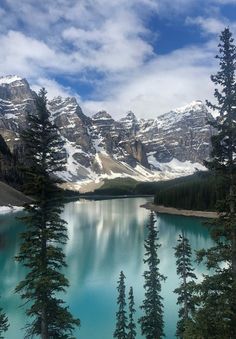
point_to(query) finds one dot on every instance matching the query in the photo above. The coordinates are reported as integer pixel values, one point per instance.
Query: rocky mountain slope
(100, 147)
(11, 197)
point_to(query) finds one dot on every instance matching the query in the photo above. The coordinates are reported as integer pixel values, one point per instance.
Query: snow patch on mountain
(196, 105)
(9, 79)
(98, 160)
(102, 115)
(181, 168)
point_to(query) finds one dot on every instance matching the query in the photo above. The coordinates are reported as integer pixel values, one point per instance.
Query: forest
(200, 191)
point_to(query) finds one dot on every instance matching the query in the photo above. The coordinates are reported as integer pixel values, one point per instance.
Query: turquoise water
(105, 237)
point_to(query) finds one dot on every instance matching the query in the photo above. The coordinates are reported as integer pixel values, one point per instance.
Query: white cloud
(114, 46)
(24, 55)
(53, 88)
(163, 84)
(225, 2)
(211, 25)
(208, 25)
(74, 36)
(80, 38)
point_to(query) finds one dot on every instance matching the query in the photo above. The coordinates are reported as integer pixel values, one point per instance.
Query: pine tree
(152, 321)
(3, 323)
(121, 317)
(131, 325)
(44, 151)
(41, 251)
(215, 316)
(185, 272)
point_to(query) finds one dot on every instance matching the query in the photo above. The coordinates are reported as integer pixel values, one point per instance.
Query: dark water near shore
(105, 237)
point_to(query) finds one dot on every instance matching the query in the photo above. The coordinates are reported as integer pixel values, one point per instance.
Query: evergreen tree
(41, 251)
(121, 317)
(43, 149)
(152, 321)
(131, 325)
(3, 323)
(185, 272)
(215, 316)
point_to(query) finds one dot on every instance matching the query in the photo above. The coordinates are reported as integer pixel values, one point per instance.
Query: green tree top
(44, 149)
(121, 317)
(152, 323)
(131, 325)
(187, 276)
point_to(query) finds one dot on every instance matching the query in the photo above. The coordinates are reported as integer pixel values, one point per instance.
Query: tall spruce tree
(131, 324)
(152, 321)
(186, 274)
(215, 316)
(3, 323)
(41, 251)
(121, 317)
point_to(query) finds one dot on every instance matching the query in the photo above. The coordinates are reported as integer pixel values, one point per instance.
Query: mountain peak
(195, 105)
(131, 116)
(102, 115)
(63, 100)
(6, 80)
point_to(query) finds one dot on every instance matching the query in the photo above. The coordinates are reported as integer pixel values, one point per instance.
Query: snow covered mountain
(97, 147)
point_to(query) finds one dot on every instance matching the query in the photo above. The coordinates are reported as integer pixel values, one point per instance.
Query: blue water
(105, 237)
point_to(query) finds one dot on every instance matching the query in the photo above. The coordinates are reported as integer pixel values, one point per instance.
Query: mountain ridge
(98, 147)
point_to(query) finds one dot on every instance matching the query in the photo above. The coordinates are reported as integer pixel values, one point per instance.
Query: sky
(147, 56)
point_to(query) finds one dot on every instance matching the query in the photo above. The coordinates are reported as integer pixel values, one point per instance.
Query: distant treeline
(199, 191)
(126, 186)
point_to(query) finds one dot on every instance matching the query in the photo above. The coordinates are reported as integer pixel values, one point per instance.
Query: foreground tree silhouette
(121, 317)
(185, 272)
(3, 323)
(131, 325)
(215, 316)
(152, 321)
(41, 251)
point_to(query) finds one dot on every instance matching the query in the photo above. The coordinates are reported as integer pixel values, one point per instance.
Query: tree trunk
(44, 320)
(233, 253)
(232, 215)
(44, 325)
(184, 282)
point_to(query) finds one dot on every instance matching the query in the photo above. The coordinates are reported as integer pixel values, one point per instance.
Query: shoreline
(175, 211)
(10, 209)
(110, 196)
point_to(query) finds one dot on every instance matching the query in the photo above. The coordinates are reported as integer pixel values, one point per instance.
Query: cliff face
(10, 157)
(173, 144)
(183, 134)
(16, 98)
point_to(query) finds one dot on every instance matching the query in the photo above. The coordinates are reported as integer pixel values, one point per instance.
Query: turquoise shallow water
(105, 237)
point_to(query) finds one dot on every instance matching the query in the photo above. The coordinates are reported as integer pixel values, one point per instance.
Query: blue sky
(148, 56)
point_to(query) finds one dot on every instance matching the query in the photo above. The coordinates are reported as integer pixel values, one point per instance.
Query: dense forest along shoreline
(176, 211)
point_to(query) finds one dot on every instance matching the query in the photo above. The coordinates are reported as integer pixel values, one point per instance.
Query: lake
(105, 237)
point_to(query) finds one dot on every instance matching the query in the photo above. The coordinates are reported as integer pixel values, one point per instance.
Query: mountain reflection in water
(105, 237)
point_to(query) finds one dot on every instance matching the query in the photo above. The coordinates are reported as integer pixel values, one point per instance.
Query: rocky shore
(175, 211)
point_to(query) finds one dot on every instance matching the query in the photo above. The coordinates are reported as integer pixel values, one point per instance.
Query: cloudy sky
(148, 56)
